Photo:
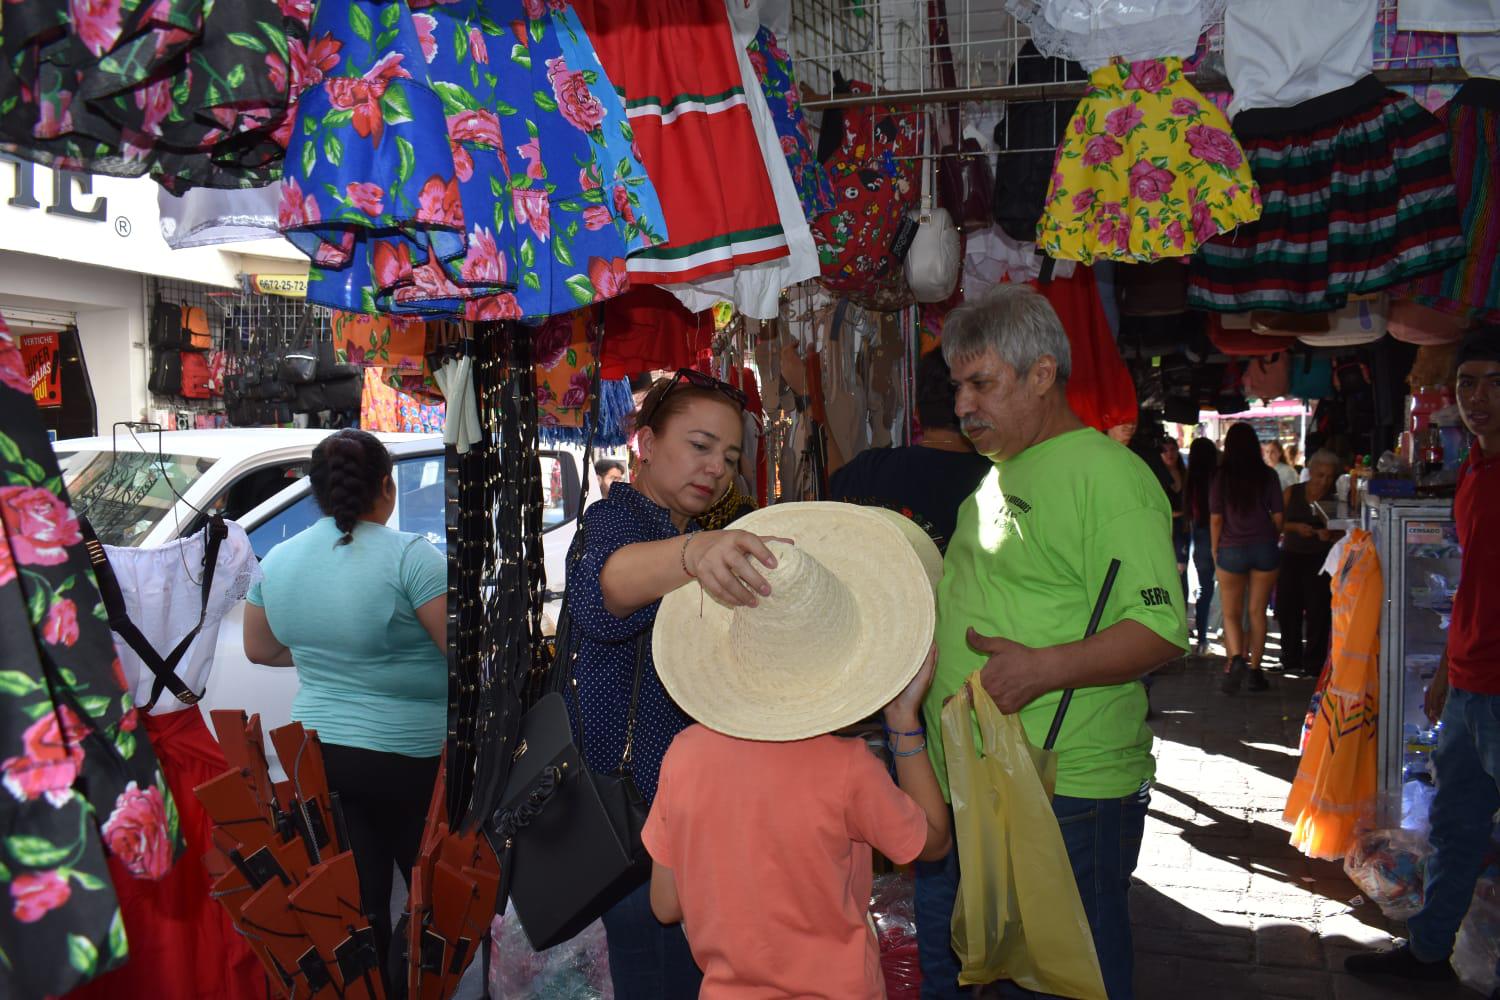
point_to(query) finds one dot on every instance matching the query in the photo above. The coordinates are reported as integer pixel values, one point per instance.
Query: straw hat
(848, 623)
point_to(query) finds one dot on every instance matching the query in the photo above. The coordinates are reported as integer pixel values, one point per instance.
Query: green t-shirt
(1027, 563)
(368, 673)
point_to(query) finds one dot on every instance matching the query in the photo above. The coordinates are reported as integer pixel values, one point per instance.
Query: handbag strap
(165, 668)
(1094, 619)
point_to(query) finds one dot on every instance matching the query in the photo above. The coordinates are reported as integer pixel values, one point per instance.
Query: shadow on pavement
(1181, 953)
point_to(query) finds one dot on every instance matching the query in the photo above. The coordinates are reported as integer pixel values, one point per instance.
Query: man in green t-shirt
(1023, 572)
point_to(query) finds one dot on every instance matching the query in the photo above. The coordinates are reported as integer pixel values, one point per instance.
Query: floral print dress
(195, 93)
(773, 68)
(1147, 169)
(464, 159)
(78, 780)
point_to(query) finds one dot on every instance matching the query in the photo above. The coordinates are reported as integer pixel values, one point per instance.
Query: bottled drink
(1432, 452)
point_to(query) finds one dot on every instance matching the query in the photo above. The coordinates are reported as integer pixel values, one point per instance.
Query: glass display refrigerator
(1417, 541)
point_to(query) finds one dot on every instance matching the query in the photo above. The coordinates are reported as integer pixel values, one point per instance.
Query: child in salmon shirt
(763, 841)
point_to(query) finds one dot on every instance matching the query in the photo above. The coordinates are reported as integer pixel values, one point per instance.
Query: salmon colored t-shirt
(771, 847)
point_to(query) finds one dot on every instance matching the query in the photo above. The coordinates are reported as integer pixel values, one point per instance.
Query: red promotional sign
(40, 352)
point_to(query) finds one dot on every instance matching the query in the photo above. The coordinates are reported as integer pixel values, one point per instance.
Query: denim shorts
(1262, 557)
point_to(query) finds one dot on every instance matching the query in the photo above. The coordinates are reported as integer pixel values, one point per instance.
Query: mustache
(969, 425)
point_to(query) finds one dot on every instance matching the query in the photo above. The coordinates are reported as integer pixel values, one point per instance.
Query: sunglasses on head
(699, 381)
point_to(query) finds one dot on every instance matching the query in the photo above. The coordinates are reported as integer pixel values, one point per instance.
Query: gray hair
(1015, 322)
(1325, 457)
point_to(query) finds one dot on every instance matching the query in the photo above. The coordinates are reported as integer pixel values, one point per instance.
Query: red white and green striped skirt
(674, 64)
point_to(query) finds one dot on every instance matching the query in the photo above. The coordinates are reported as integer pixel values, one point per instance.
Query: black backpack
(1033, 129)
(166, 372)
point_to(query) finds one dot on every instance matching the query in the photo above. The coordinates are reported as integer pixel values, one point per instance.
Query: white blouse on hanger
(1093, 32)
(163, 594)
(1458, 16)
(1282, 52)
(1480, 55)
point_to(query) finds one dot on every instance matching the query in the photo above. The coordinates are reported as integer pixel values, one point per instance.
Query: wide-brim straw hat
(847, 626)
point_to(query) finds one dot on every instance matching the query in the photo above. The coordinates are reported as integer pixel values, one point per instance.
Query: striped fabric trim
(683, 104)
(679, 263)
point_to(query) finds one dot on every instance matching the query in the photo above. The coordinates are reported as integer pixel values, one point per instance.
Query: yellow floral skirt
(1148, 169)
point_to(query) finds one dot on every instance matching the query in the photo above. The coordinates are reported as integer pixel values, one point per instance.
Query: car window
(419, 499)
(419, 508)
(554, 496)
(125, 494)
(284, 524)
(254, 488)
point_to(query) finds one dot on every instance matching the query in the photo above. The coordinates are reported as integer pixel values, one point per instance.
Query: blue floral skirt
(467, 159)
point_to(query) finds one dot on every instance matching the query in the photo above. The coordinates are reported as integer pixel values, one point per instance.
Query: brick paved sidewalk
(1222, 902)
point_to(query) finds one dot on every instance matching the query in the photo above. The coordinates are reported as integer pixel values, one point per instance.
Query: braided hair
(349, 472)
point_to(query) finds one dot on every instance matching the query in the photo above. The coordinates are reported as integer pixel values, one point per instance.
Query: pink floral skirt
(1147, 169)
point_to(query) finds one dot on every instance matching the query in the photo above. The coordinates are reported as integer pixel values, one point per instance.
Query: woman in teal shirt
(360, 610)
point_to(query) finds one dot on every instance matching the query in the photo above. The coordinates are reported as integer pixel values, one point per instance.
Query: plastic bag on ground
(576, 970)
(1018, 914)
(1389, 866)
(893, 908)
(1476, 955)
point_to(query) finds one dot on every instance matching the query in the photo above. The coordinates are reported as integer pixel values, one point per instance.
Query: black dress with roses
(195, 94)
(77, 777)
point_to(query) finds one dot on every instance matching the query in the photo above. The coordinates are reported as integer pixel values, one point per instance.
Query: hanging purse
(936, 255)
(299, 364)
(568, 839)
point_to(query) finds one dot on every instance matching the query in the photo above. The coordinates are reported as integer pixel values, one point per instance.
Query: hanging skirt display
(466, 160)
(194, 93)
(674, 61)
(1335, 784)
(1358, 196)
(1471, 286)
(1147, 169)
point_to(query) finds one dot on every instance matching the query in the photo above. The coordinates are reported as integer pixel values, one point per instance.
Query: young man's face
(610, 477)
(1479, 397)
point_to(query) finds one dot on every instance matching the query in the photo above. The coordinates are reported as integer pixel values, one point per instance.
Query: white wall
(54, 261)
(111, 323)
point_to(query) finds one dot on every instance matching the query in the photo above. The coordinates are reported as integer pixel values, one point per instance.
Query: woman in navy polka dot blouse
(640, 543)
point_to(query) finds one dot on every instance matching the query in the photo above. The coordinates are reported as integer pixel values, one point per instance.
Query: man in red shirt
(1466, 691)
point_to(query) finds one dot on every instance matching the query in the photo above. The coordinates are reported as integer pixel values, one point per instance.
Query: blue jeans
(1467, 762)
(936, 894)
(1260, 557)
(1103, 839)
(1203, 562)
(648, 960)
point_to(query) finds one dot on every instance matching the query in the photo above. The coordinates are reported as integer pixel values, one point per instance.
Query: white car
(145, 489)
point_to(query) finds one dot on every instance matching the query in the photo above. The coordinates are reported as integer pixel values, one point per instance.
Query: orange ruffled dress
(1336, 781)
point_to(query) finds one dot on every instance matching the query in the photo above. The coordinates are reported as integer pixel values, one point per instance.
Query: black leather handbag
(298, 365)
(568, 838)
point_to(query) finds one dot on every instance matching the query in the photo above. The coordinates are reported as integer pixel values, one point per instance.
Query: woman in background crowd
(1202, 467)
(1304, 599)
(1176, 486)
(1245, 506)
(1275, 457)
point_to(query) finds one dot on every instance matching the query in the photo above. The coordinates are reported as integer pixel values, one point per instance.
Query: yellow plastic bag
(1018, 914)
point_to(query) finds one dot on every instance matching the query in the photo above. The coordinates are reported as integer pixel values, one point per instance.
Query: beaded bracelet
(688, 537)
(896, 732)
(921, 748)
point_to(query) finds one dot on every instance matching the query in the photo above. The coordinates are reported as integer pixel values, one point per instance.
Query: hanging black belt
(165, 668)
